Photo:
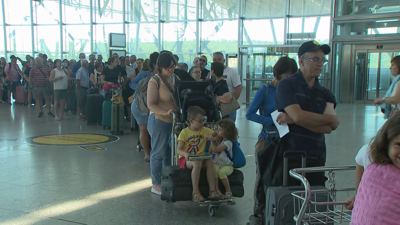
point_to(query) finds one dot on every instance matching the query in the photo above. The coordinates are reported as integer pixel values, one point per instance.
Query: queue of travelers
(305, 105)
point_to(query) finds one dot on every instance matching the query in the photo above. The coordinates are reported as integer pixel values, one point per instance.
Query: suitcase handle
(286, 166)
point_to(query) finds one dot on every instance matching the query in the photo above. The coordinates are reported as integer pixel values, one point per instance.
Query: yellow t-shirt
(195, 141)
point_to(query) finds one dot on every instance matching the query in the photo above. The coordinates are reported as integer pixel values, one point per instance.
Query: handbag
(270, 163)
(228, 108)
(49, 85)
(131, 98)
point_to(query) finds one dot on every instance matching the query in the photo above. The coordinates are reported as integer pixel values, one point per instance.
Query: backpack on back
(141, 98)
(238, 158)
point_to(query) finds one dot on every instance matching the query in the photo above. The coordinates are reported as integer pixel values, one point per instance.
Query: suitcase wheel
(163, 198)
(212, 210)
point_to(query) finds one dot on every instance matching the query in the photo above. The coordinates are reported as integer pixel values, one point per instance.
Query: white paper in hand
(283, 129)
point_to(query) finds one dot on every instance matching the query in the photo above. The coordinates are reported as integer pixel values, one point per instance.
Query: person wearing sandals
(59, 76)
(192, 141)
(221, 143)
(159, 125)
(264, 104)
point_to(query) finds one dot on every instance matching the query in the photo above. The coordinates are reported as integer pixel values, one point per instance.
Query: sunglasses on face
(203, 121)
(202, 60)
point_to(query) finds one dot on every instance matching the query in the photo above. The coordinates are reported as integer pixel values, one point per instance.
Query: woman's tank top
(63, 83)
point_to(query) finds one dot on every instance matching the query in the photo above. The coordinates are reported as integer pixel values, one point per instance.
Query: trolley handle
(296, 173)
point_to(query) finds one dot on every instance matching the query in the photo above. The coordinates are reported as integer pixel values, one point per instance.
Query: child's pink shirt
(378, 197)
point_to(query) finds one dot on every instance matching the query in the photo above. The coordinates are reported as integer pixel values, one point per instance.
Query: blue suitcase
(106, 114)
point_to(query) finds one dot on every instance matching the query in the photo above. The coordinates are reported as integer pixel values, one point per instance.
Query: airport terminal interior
(68, 172)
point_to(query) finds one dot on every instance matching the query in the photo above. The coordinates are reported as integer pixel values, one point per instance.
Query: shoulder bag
(228, 108)
(49, 85)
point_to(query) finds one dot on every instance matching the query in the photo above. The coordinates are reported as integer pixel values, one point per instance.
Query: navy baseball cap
(312, 46)
(12, 56)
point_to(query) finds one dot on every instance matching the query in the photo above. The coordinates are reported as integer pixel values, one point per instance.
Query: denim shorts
(140, 117)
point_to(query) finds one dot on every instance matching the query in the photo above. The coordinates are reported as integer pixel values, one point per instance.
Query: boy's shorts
(182, 162)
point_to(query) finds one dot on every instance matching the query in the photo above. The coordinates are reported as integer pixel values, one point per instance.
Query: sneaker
(40, 114)
(156, 189)
(50, 114)
(44, 106)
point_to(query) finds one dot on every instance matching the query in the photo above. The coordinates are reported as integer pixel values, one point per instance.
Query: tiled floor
(68, 185)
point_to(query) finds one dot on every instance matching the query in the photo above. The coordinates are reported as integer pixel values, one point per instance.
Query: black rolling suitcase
(279, 207)
(176, 183)
(94, 108)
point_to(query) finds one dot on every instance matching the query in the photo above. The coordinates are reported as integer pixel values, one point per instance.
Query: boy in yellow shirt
(192, 141)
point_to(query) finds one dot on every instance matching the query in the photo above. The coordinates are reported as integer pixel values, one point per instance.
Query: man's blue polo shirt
(295, 90)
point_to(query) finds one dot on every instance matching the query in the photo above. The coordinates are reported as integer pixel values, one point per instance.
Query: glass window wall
(17, 12)
(47, 41)
(18, 40)
(76, 39)
(272, 32)
(187, 28)
(310, 7)
(46, 12)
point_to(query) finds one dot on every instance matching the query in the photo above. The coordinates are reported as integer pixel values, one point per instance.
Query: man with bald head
(82, 86)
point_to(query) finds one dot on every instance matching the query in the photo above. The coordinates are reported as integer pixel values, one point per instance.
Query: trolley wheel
(163, 198)
(212, 210)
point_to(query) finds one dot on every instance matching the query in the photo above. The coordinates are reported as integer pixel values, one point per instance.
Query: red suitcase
(21, 97)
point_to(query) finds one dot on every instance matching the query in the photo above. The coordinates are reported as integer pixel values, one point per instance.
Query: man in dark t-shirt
(221, 89)
(308, 109)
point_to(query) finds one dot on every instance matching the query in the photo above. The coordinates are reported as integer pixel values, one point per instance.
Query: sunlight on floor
(75, 205)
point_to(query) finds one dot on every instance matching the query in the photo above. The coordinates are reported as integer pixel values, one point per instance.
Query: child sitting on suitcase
(378, 196)
(221, 144)
(192, 141)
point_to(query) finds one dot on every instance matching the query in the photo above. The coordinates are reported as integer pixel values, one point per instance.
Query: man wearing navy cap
(308, 109)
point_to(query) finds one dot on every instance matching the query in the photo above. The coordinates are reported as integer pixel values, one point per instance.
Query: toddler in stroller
(176, 184)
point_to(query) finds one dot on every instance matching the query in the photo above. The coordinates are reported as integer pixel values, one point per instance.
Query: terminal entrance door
(255, 66)
(372, 76)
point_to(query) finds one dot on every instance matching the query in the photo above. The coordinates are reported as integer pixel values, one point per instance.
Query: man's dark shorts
(12, 86)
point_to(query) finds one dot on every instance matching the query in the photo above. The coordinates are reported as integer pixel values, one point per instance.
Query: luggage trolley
(309, 210)
(212, 205)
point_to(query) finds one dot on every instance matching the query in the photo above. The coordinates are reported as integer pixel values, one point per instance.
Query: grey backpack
(141, 98)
